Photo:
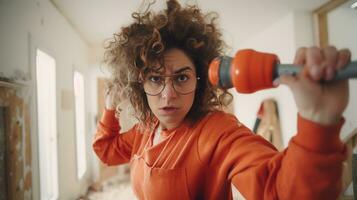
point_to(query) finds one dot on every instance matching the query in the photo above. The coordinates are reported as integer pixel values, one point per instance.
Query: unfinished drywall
(18, 142)
(3, 178)
(24, 27)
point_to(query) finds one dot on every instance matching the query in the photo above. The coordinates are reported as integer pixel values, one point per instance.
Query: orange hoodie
(201, 161)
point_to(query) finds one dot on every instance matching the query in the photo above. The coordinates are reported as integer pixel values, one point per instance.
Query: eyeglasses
(183, 83)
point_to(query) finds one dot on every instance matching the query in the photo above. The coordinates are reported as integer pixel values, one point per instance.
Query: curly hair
(132, 52)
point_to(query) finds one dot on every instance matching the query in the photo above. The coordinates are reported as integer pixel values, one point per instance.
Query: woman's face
(175, 100)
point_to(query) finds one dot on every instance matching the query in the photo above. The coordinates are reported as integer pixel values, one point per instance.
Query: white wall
(343, 35)
(24, 26)
(282, 38)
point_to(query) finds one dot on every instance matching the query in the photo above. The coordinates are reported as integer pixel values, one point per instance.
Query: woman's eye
(182, 78)
(155, 79)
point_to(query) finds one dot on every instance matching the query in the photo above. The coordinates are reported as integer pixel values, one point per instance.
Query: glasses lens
(183, 83)
(154, 84)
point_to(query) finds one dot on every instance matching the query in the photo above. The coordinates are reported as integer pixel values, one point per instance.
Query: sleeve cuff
(109, 120)
(319, 138)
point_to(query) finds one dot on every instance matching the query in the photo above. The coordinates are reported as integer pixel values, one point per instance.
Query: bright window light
(80, 124)
(47, 125)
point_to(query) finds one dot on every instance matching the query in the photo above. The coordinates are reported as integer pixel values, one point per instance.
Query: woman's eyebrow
(157, 70)
(183, 69)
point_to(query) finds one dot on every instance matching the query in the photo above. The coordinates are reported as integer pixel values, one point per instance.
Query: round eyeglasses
(184, 83)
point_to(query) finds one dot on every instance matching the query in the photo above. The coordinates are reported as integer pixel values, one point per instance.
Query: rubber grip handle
(349, 71)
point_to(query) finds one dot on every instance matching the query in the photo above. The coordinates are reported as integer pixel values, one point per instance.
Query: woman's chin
(168, 122)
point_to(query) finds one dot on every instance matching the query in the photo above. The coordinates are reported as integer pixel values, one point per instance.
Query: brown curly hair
(132, 52)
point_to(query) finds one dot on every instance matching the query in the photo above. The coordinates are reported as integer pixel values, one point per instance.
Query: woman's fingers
(344, 57)
(300, 56)
(320, 64)
(314, 59)
(299, 61)
(330, 56)
(288, 80)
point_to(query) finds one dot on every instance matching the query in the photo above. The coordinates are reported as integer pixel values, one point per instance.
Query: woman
(184, 147)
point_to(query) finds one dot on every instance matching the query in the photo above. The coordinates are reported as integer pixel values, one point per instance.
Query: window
(80, 124)
(47, 124)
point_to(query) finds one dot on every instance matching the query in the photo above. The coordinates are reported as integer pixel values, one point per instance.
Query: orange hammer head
(248, 72)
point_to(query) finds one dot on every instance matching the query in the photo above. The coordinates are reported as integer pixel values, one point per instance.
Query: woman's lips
(169, 110)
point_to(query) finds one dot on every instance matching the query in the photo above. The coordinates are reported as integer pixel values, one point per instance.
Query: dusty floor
(116, 188)
(119, 188)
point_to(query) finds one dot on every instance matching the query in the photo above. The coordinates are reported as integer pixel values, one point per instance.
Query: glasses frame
(172, 84)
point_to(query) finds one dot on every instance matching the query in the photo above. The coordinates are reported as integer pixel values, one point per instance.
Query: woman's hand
(109, 98)
(318, 99)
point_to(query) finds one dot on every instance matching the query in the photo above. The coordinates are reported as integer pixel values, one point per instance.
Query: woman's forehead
(175, 60)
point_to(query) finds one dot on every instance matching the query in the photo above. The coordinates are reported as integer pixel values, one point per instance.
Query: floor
(116, 188)
(119, 188)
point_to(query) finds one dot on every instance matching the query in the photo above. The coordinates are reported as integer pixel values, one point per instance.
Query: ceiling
(97, 20)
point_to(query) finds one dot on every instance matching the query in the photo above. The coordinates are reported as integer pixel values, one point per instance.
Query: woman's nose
(169, 91)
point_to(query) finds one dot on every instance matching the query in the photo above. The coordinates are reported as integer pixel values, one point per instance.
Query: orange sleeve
(111, 146)
(310, 168)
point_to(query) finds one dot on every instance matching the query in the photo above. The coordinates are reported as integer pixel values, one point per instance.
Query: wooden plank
(323, 30)
(269, 127)
(327, 7)
(322, 24)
